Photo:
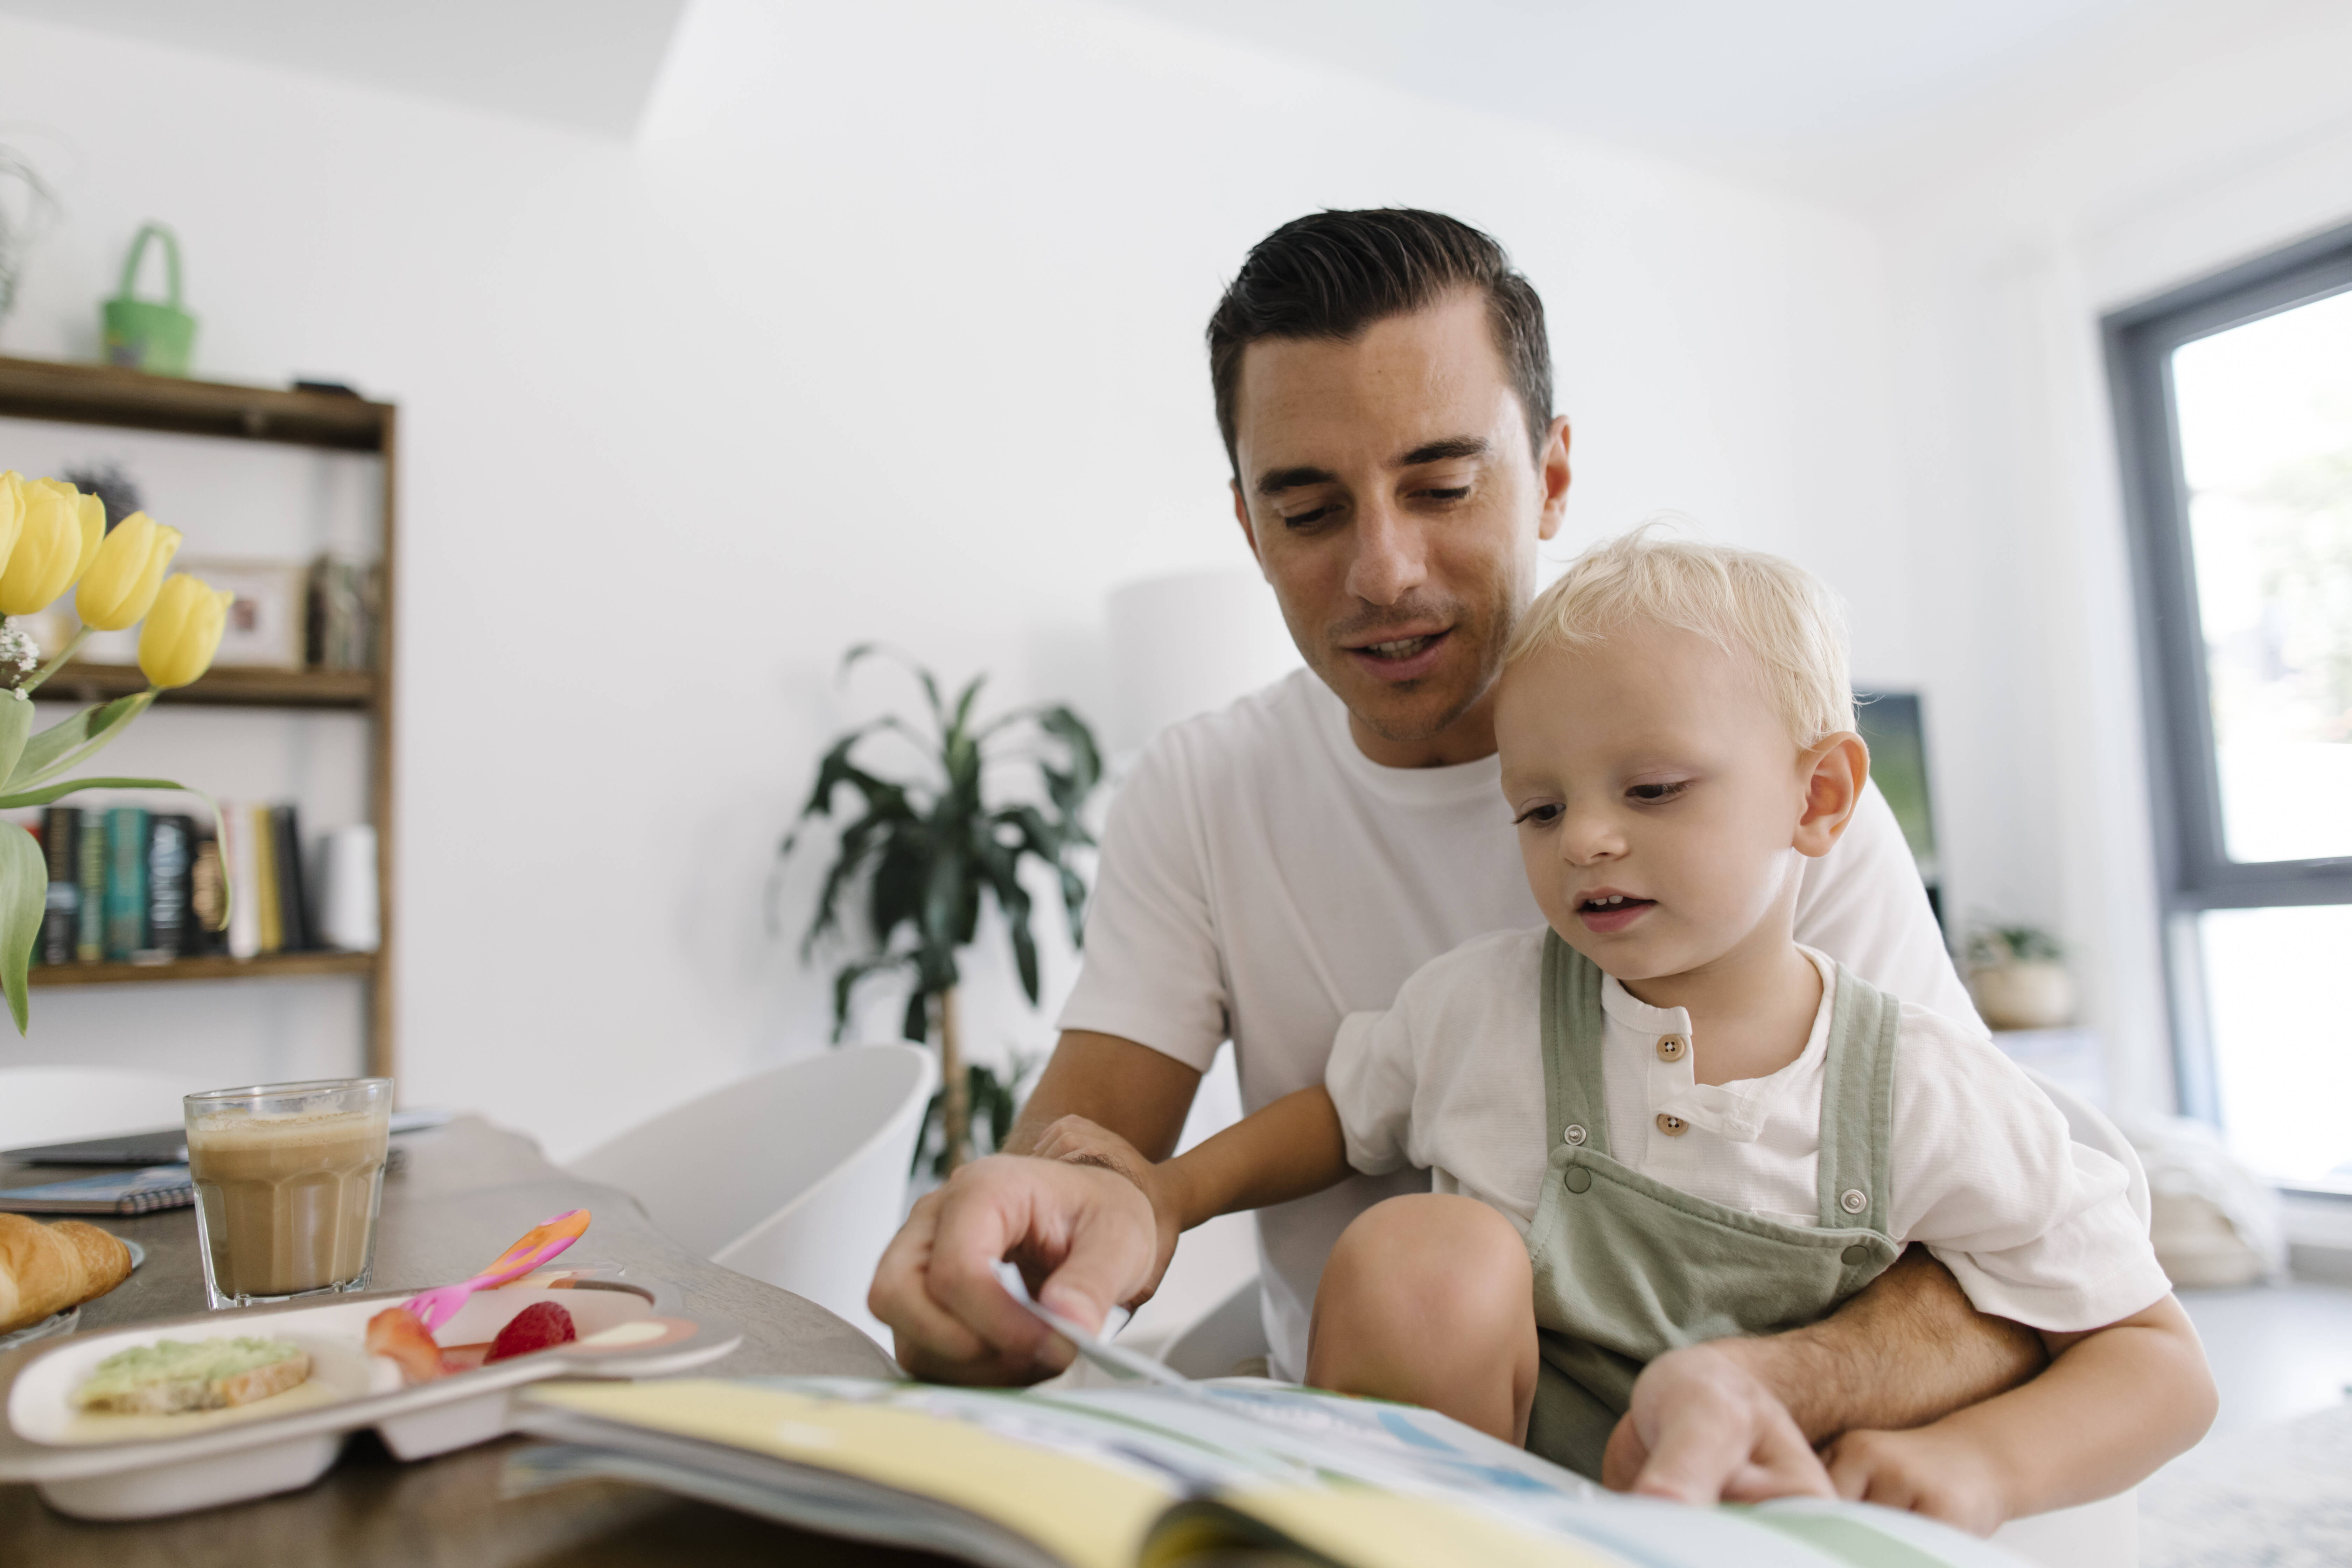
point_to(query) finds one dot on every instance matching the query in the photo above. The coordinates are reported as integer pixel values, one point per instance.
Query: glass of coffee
(288, 1177)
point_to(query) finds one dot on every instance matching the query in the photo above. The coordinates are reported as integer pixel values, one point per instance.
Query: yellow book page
(1089, 1514)
(1383, 1530)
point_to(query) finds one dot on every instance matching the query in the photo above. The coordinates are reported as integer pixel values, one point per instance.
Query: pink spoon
(541, 1242)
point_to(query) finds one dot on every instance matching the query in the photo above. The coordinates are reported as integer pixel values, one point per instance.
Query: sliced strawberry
(541, 1326)
(397, 1333)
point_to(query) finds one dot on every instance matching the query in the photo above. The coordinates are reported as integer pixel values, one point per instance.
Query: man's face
(1387, 489)
(1660, 801)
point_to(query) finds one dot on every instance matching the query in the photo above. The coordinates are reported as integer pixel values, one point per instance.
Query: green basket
(156, 336)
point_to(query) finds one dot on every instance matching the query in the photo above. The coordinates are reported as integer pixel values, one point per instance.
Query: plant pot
(2037, 995)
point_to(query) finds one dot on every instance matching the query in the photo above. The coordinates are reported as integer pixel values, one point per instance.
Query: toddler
(1660, 1121)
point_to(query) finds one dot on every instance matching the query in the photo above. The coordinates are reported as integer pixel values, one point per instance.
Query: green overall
(1627, 1268)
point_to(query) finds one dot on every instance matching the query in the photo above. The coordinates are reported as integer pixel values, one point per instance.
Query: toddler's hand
(1926, 1470)
(1074, 1140)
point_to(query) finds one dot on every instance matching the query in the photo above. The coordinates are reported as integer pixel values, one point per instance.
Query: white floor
(2271, 1486)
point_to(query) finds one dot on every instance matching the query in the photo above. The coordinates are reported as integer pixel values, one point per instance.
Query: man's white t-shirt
(1261, 878)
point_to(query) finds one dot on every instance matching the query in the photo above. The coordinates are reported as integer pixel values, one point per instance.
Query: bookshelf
(107, 396)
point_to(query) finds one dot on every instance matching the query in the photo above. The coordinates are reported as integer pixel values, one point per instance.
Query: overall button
(1852, 1201)
(1574, 1134)
(1855, 1255)
(1578, 1179)
(1671, 1047)
(1672, 1126)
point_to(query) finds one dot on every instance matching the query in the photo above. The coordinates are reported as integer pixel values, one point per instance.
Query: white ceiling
(1758, 82)
(589, 64)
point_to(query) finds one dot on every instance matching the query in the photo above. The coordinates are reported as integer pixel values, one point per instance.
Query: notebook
(123, 1192)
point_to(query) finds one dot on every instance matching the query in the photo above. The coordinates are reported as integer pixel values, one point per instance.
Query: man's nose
(1391, 558)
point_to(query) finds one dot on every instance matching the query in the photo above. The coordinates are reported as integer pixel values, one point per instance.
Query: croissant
(45, 1268)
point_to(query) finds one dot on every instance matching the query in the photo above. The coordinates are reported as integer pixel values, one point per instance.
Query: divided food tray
(142, 1467)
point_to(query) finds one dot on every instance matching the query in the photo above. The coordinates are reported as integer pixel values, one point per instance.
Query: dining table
(454, 1196)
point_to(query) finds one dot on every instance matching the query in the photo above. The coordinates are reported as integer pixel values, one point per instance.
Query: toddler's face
(1659, 797)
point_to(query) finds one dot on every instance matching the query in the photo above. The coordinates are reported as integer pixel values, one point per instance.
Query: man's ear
(1551, 467)
(1249, 530)
(1833, 771)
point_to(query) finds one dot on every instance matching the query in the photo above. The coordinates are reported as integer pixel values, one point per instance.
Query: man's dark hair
(1333, 274)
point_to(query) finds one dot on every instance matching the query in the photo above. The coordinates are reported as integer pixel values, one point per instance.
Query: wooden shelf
(84, 683)
(269, 966)
(105, 395)
(128, 399)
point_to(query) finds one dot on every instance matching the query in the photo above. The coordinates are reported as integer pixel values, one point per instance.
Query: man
(1383, 386)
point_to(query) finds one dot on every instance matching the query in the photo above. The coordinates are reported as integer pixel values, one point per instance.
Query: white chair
(797, 1176)
(60, 1104)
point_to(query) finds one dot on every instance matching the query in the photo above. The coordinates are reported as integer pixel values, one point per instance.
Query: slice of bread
(172, 1375)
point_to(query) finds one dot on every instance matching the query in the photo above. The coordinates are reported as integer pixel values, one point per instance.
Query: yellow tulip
(60, 533)
(125, 573)
(13, 499)
(182, 631)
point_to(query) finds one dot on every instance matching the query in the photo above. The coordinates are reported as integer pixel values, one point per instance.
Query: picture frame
(267, 620)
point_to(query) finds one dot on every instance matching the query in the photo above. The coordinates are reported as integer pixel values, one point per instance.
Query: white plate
(141, 1467)
(64, 1322)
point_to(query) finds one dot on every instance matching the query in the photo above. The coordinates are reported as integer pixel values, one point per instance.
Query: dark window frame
(2194, 872)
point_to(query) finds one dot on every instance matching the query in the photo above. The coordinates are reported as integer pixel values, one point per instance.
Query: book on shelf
(61, 850)
(126, 882)
(262, 888)
(1148, 1476)
(127, 885)
(89, 876)
(170, 844)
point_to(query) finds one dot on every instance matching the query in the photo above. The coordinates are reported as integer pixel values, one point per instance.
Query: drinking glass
(288, 1178)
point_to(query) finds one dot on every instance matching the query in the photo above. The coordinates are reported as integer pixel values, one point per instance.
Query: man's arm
(1906, 1350)
(1138, 1093)
(948, 1319)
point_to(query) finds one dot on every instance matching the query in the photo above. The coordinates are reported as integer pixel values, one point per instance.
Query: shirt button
(1672, 1126)
(1574, 1135)
(1854, 1256)
(1671, 1047)
(1852, 1201)
(1579, 1179)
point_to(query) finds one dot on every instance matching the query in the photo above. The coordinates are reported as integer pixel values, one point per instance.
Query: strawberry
(541, 1326)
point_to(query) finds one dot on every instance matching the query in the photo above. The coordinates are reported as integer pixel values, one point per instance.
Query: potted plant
(924, 850)
(2019, 977)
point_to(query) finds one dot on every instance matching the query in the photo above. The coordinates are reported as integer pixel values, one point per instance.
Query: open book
(1152, 1476)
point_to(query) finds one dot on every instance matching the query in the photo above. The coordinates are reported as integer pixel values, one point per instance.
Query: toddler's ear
(1834, 772)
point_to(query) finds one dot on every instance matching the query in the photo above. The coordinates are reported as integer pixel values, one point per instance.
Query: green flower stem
(53, 664)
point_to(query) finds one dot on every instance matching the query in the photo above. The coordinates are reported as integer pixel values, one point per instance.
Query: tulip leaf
(73, 741)
(24, 899)
(47, 792)
(16, 727)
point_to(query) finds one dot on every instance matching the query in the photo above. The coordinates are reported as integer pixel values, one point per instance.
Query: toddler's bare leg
(1430, 1300)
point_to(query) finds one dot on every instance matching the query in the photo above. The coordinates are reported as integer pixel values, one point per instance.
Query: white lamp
(1189, 642)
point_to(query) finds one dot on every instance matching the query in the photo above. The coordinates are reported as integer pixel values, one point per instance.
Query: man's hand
(1085, 1239)
(1702, 1428)
(1927, 1470)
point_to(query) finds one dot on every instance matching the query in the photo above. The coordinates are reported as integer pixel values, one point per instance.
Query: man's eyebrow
(1443, 451)
(1273, 482)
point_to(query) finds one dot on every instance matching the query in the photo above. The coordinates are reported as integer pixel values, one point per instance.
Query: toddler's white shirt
(2034, 1227)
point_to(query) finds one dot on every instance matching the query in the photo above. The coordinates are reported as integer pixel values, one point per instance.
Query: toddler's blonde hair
(1777, 614)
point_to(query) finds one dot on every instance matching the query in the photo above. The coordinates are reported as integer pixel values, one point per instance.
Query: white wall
(888, 326)
(2210, 135)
